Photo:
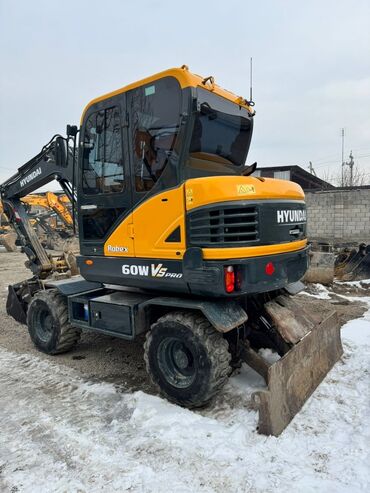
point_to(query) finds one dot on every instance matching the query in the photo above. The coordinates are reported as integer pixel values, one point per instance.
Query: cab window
(102, 153)
(221, 136)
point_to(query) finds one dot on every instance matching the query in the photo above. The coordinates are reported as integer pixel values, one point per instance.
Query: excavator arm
(54, 162)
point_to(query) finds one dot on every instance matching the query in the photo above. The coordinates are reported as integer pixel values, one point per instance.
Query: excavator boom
(54, 162)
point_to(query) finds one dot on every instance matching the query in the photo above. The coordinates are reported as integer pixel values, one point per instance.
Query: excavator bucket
(315, 348)
(353, 264)
(8, 241)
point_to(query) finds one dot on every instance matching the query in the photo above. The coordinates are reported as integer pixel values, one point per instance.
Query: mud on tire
(48, 324)
(187, 358)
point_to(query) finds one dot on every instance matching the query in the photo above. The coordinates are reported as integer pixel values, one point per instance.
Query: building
(294, 173)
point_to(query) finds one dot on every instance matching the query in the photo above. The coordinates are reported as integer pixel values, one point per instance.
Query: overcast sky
(311, 68)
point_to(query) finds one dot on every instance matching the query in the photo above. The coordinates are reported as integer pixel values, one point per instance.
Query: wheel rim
(176, 361)
(44, 325)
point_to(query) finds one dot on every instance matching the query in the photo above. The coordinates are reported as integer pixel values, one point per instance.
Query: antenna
(251, 79)
(311, 168)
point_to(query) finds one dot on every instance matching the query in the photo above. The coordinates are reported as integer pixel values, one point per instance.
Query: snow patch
(318, 291)
(357, 284)
(358, 331)
(62, 433)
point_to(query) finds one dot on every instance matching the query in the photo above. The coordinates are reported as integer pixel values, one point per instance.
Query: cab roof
(185, 79)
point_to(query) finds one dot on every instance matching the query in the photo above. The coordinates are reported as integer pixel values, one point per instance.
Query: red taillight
(229, 279)
(269, 269)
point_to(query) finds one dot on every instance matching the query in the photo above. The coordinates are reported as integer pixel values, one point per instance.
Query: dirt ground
(110, 359)
(96, 356)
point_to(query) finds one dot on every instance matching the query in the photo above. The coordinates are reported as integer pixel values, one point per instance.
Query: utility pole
(342, 157)
(350, 164)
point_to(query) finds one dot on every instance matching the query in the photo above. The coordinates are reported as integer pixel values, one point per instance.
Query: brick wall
(339, 216)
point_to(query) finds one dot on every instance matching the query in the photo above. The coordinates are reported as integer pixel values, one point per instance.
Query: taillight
(229, 279)
(269, 268)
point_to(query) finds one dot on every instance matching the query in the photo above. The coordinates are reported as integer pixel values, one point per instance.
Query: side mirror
(60, 152)
(72, 130)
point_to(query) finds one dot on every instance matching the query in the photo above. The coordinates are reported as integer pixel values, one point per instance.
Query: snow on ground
(60, 433)
(363, 284)
(358, 330)
(317, 291)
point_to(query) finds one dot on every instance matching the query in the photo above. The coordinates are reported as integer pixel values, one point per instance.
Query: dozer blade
(292, 379)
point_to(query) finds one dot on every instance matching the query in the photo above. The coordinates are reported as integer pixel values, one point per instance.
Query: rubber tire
(210, 352)
(63, 336)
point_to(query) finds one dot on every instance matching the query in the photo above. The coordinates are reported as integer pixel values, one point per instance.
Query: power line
(336, 161)
(327, 159)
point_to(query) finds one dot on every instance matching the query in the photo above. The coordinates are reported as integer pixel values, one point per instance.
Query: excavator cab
(151, 138)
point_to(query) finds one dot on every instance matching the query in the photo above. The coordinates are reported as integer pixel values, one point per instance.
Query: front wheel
(187, 358)
(48, 324)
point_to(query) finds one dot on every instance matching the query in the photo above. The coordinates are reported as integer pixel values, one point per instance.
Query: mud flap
(293, 378)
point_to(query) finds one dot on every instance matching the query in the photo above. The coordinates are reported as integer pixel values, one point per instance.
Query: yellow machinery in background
(49, 200)
(53, 226)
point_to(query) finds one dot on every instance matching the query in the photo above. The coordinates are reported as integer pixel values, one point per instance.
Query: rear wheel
(48, 324)
(187, 358)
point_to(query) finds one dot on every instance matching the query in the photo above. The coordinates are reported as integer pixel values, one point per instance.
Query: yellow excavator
(50, 200)
(52, 228)
(55, 226)
(178, 239)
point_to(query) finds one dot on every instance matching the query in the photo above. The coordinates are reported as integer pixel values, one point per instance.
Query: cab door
(105, 198)
(155, 114)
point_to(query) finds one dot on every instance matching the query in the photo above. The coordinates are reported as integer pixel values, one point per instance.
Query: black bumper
(208, 279)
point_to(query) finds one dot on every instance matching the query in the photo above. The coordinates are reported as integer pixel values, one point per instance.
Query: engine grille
(223, 225)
